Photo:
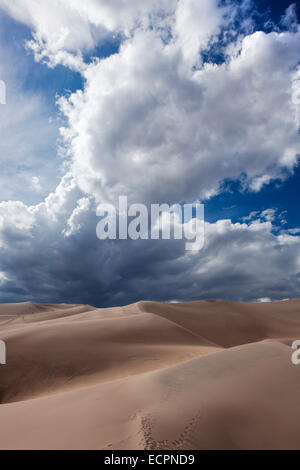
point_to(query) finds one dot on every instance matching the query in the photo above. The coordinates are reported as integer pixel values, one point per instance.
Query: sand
(199, 375)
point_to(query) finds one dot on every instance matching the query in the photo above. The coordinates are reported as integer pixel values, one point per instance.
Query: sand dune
(199, 375)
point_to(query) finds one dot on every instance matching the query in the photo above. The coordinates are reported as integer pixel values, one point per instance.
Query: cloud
(159, 123)
(196, 25)
(150, 126)
(16, 216)
(289, 20)
(180, 125)
(73, 222)
(294, 231)
(270, 215)
(64, 29)
(80, 268)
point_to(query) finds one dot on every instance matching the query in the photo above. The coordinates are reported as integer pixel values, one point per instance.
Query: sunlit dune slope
(207, 374)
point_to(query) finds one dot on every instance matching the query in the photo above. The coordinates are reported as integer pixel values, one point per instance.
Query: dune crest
(199, 375)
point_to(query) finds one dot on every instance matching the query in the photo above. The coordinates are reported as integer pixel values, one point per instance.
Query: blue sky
(193, 102)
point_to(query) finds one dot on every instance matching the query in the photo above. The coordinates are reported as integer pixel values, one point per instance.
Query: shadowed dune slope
(199, 375)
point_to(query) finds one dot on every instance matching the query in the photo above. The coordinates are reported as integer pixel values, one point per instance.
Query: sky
(166, 101)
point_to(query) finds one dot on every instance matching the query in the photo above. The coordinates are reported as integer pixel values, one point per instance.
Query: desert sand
(199, 375)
